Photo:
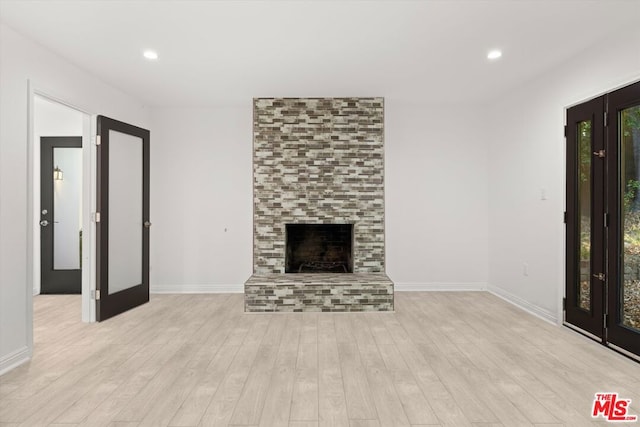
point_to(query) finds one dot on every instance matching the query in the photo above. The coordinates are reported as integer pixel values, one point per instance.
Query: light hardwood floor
(454, 359)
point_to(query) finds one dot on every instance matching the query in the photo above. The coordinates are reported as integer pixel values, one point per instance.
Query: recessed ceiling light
(151, 55)
(494, 54)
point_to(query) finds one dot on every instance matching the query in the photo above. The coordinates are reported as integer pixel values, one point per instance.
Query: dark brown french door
(603, 218)
(123, 222)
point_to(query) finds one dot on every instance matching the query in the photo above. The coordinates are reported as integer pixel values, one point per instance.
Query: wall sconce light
(57, 174)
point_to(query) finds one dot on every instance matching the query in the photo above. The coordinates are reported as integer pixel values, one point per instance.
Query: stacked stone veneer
(318, 161)
(319, 292)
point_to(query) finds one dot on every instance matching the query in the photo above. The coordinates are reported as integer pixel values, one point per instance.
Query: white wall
(49, 119)
(527, 156)
(20, 61)
(436, 198)
(201, 199)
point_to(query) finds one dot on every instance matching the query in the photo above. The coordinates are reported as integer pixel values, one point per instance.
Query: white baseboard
(540, 312)
(197, 289)
(13, 360)
(436, 286)
(239, 288)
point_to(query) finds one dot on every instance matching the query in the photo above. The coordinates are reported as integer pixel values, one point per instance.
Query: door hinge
(606, 119)
(606, 219)
(566, 130)
(97, 217)
(600, 153)
(564, 217)
(606, 320)
(98, 142)
(564, 304)
(95, 294)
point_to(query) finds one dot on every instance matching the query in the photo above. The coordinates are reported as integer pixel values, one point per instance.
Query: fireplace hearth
(319, 248)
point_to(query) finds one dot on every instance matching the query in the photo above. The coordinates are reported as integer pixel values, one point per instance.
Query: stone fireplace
(318, 186)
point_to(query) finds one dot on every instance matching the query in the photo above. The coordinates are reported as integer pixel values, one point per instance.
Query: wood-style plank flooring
(443, 358)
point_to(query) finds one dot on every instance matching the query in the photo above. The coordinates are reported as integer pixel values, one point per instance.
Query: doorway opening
(65, 220)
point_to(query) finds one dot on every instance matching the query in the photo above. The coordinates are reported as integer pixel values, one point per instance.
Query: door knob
(147, 224)
(44, 223)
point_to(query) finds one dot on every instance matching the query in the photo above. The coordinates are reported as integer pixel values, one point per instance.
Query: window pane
(584, 213)
(125, 211)
(630, 168)
(67, 208)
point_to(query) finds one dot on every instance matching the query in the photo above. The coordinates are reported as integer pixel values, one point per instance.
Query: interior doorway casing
(88, 205)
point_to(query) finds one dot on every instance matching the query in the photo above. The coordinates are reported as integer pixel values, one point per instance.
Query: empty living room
(319, 213)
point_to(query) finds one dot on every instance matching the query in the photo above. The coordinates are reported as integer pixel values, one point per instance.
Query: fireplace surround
(318, 161)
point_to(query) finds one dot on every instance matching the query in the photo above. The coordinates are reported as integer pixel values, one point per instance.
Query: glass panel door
(585, 216)
(60, 214)
(123, 229)
(623, 132)
(603, 218)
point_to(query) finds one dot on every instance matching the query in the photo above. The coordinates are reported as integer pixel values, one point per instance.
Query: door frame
(33, 203)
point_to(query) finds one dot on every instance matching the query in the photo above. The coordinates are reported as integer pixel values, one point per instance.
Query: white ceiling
(215, 53)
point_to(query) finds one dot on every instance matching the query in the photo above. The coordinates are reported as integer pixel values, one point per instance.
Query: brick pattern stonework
(319, 292)
(318, 160)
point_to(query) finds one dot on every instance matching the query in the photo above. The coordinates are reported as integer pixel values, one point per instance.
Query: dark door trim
(53, 281)
(111, 304)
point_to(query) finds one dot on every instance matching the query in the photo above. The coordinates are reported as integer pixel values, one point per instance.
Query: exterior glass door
(603, 218)
(584, 302)
(623, 308)
(60, 214)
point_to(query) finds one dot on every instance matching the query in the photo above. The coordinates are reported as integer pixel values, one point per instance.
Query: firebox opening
(319, 248)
